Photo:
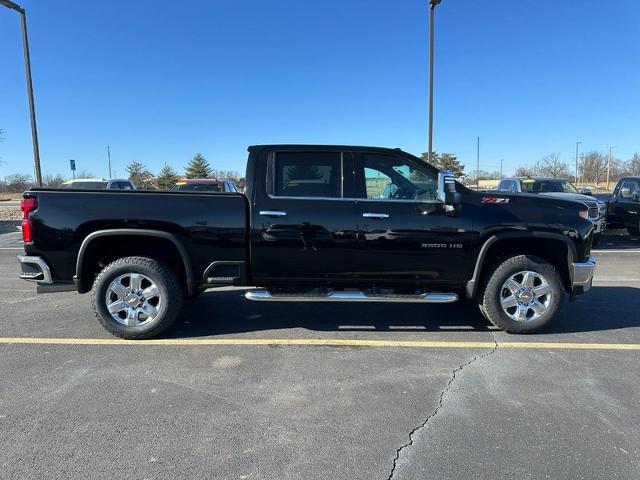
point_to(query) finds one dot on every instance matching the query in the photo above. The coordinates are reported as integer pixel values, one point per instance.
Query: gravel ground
(9, 219)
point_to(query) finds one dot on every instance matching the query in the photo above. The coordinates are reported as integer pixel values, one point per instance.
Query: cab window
(308, 174)
(387, 177)
(629, 187)
(508, 186)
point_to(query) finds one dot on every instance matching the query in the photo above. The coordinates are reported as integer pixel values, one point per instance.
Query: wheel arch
(84, 284)
(525, 242)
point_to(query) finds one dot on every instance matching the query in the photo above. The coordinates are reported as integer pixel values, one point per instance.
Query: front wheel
(522, 294)
(136, 297)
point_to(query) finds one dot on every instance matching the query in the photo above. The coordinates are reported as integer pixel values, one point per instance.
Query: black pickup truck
(337, 223)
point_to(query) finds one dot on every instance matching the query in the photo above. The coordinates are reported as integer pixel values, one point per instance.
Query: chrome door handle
(272, 213)
(375, 215)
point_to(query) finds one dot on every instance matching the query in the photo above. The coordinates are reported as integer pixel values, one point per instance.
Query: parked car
(98, 184)
(561, 188)
(205, 185)
(623, 210)
(310, 229)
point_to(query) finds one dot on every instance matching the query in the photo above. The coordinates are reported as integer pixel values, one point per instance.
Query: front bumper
(582, 275)
(599, 225)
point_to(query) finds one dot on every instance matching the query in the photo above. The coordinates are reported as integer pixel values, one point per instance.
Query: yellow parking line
(321, 342)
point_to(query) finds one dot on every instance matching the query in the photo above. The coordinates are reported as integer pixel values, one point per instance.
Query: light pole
(27, 66)
(432, 8)
(577, 143)
(478, 164)
(609, 164)
(109, 156)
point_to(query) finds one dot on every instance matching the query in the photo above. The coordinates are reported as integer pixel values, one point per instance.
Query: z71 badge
(495, 200)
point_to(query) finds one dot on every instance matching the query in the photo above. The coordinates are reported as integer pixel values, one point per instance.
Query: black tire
(169, 297)
(490, 297)
(596, 239)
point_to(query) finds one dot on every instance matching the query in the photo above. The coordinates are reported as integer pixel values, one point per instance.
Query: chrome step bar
(262, 295)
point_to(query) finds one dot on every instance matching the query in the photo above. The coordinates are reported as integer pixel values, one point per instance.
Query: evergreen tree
(140, 176)
(198, 167)
(445, 161)
(167, 177)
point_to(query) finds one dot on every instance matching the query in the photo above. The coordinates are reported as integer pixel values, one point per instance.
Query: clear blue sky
(159, 81)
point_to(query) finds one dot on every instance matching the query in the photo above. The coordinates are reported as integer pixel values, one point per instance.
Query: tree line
(137, 172)
(592, 169)
(167, 177)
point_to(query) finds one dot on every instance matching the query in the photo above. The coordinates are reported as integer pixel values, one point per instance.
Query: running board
(261, 295)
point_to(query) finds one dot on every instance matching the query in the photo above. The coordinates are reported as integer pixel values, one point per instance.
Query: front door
(404, 232)
(304, 224)
(624, 205)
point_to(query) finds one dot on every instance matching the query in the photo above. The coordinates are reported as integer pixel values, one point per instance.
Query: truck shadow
(617, 240)
(228, 312)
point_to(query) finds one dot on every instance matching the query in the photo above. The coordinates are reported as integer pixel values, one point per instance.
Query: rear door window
(308, 174)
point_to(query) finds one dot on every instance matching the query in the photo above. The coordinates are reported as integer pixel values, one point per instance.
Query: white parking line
(634, 250)
(12, 248)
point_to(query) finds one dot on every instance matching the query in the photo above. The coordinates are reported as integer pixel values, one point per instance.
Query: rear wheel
(136, 297)
(596, 239)
(522, 294)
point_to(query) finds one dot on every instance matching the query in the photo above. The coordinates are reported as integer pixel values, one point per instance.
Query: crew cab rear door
(303, 220)
(404, 232)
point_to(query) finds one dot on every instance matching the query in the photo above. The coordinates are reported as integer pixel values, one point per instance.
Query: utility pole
(478, 164)
(109, 156)
(609, 164)
(27, 66)
(432, 8)
(577, 143)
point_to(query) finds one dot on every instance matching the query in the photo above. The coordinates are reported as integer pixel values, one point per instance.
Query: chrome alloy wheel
(133, 299)
(525, 296)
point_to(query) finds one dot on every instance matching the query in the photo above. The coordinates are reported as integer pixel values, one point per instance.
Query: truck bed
(209, 226)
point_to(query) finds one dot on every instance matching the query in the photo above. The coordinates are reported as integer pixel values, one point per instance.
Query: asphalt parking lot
(259, 391)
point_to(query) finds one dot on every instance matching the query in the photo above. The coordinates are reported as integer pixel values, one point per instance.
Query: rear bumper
(34, 269)
(582, 275)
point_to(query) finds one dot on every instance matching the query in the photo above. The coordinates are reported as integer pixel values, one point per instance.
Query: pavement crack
(438, 406)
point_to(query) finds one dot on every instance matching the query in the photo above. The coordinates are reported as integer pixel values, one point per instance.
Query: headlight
(584, 214)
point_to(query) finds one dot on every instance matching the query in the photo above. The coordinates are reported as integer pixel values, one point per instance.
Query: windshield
(198, 187)
(530, 185)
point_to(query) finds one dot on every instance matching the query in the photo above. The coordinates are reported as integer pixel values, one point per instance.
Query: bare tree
(593, 166)
(552, 166)
(53, 181)
(18, 182)
(632, 167)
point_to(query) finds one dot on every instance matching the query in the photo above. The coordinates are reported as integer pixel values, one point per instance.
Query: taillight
(27, 206)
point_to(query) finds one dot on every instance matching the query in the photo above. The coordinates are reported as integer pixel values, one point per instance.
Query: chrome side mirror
(447, 191)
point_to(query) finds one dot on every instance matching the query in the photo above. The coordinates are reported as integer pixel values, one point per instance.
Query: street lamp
(27, 65)
(432, 8)
(577, 143)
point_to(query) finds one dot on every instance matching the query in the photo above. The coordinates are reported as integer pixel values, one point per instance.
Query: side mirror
(586, 191)
(447, 191)
(636, 196)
